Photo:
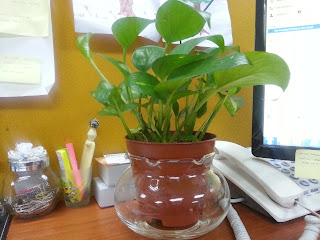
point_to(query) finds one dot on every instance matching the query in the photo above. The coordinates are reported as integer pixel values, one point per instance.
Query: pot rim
(212, 136)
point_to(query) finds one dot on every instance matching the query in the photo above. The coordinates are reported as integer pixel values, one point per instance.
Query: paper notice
(24, 17)
(20, 70)
(97, 16)
(307, 164)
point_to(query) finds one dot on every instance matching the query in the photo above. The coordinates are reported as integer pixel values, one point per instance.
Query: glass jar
(31, 189)
(172, 199)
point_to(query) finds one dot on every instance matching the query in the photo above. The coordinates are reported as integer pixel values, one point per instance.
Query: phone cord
(312, 228)
(239, 229)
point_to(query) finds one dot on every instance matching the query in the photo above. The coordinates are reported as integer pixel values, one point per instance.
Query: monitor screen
(286, 121)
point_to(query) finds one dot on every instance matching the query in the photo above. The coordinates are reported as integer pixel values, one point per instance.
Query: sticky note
(21, 70)
(307, 164)
(24, 17)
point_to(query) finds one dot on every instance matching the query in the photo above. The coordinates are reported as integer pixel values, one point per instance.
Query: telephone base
(236, 192)
(257, 194)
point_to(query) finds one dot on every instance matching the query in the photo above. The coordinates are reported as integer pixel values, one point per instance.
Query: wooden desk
(92, 223)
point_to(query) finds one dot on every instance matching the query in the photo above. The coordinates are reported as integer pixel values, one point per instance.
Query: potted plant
(168, 93)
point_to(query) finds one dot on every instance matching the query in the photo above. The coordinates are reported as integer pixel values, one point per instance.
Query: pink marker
(74, 165)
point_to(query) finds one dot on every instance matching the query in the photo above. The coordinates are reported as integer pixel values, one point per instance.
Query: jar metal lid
(29, 164)
(25, 158)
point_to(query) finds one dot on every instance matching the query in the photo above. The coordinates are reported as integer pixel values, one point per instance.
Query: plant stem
(140, 103)
(210, 118)
(97, 69)
(177, 132)
(124, 55)
(130, 135)
(206, 97)
(196, 108)
(194, 98)
(166, 48)
(160, 115)
(150, 112)
(167, 117)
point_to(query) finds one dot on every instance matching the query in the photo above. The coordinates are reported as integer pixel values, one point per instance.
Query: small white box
(103, 194)
(111, 173)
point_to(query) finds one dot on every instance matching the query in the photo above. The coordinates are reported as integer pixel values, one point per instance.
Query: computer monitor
(285, 122)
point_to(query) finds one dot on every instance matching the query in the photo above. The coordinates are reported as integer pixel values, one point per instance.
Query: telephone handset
(261, 182)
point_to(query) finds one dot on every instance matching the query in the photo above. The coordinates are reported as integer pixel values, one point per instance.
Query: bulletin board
(26, 54)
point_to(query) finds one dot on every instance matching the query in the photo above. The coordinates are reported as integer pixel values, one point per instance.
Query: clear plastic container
(76, 193)
(172, 199)
(31, 189)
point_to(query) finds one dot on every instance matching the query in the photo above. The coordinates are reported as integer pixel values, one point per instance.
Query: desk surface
(92, 222)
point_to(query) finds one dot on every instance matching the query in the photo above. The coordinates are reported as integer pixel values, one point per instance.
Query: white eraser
(111, 174)
(103, 194)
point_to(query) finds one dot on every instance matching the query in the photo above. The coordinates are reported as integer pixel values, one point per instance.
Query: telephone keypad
(304, 183)
(315, 181)
(284, 170)
(310, 186)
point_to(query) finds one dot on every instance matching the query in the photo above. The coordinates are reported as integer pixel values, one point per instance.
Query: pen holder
(76, 186)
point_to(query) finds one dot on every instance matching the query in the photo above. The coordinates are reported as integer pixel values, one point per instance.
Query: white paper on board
(24, 17)
(21, 70)
(30, 47)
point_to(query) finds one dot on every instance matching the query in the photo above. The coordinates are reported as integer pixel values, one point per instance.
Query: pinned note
(307, 164)
(24, 17)
(20, 70)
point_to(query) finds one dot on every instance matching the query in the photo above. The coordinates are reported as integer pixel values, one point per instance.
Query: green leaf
(103, 92)
(83, 45)
(212, 50)
(202, 110)
(118, 64)
(206, 16)
(265, 68)
(167, 87)
(185, 85)
(188, 45)
(143, 83)
(210, 80)
(144, 57)
(234, 90)
(208, 65)
(233, 104)
(175, 108)
(108, 111)
(177, 21)
(126, 30)
(165, 65)
(115, 97)
(129, 106)
(135, 94)
(189, 126)
(183, 112)
(183, 94)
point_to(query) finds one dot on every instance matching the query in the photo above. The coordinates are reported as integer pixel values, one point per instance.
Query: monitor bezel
(259, 149)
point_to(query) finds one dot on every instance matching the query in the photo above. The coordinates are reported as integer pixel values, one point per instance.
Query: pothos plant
(169, 90)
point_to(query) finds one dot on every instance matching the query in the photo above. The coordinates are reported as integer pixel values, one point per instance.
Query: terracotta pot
(170, 180)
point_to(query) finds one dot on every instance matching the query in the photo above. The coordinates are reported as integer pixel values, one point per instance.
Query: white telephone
(259, 181)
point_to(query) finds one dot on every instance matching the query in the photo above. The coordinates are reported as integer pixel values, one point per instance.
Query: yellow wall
(63, 116)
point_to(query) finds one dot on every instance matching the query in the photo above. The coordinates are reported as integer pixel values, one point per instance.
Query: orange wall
(63, 116)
